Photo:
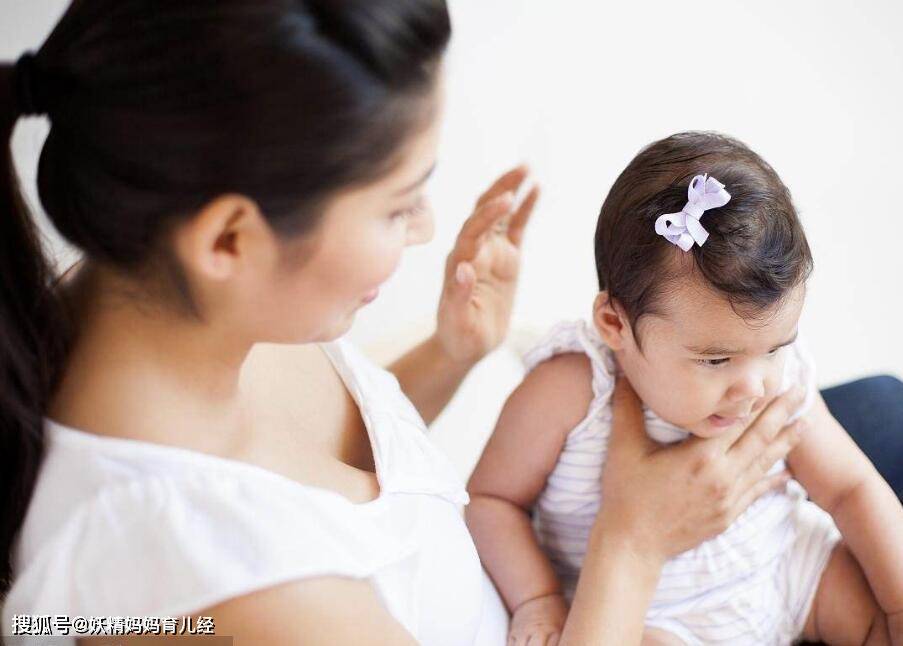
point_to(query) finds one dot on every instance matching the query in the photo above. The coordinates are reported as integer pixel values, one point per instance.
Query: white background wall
(576, 88)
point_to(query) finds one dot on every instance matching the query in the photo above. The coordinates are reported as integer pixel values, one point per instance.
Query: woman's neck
(142, 371)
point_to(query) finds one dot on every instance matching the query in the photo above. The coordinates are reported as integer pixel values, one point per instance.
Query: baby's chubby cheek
(669, 396)
(684, 407)
(693, 405)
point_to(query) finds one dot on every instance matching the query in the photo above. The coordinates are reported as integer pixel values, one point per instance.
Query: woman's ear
(225, 235)
(610, 321)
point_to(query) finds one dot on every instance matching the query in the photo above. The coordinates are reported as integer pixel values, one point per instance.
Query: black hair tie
(25, 86)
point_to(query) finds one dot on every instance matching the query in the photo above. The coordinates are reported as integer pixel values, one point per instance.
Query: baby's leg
(845, 610)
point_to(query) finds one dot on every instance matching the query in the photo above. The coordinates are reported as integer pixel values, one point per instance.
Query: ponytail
(31, 336)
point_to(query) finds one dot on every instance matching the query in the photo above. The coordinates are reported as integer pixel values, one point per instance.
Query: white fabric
(752, 584)
(120, 527)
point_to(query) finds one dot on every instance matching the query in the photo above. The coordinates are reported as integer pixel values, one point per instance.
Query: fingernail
(461, 274)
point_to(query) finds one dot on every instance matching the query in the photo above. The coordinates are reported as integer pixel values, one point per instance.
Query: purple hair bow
(683, 228)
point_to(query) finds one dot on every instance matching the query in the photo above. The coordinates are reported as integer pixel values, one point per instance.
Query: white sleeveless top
(124, 528)
(566, 508)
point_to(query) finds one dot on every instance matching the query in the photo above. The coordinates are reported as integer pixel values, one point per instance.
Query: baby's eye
(713, 362)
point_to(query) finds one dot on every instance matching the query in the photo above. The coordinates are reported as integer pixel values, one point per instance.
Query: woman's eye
(409, 212)
(713, 362)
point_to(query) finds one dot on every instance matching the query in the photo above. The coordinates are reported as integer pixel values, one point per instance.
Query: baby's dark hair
(756, 251)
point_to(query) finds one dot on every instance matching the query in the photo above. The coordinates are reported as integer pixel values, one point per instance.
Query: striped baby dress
(731, 588)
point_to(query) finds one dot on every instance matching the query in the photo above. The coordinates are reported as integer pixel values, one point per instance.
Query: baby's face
(703, 367)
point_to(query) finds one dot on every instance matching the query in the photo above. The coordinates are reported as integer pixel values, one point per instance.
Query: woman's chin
(337, 330)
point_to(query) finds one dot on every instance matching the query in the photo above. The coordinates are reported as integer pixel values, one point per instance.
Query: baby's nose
(751, 387)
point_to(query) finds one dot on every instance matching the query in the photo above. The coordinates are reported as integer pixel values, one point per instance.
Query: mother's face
(325, 277)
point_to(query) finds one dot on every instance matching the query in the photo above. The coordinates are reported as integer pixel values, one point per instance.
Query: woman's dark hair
(756, 251)
(157, 107)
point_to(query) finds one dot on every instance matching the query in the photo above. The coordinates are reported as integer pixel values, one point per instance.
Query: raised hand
(482, 270)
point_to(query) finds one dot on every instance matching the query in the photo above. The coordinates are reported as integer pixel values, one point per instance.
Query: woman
(243, 173)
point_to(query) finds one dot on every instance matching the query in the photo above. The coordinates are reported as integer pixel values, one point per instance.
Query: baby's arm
(842, 481)
(512, 472)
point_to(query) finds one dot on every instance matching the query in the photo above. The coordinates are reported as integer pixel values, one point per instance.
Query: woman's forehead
(418, 158)
(414, 164)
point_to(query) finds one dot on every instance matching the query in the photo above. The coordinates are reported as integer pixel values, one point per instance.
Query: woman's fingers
(520, 218)
(756, 439)
(510, 181)
(760, 487)
(537, 637)
(766, 425)
(525, 639)
(459, 290)
(776, 450)
(479, 223)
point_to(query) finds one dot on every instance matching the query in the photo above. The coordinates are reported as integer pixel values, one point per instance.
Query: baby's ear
(610, 321)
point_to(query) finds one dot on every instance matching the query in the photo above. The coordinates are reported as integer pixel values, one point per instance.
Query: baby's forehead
(692, 312)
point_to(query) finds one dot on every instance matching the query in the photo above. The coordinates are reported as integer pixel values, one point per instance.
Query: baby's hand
(538, 621)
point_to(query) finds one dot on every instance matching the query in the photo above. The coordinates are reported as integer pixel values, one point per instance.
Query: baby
(702, 264)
